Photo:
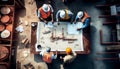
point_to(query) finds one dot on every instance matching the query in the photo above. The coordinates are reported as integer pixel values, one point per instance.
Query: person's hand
(58, 23)
(71, 22)
(52, 21)
(45, 22)
(61, 57)
(74, 22)
(78, 29)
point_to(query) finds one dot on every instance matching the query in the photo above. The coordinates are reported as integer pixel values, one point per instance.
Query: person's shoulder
(49, 5)
(68, 10)
(40, 8)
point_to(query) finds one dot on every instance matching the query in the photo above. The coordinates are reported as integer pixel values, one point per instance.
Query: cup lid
(5, 10)
(9, 27)
(5, 34)
(5, 19)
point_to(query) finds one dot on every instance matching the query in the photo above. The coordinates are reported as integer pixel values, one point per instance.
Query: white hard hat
(62, 14)
(46, 8)
(80, 14)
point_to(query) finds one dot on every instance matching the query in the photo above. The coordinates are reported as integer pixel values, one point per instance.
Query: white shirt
(70, 58)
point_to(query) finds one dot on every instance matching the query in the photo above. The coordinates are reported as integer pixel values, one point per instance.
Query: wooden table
(85, 38)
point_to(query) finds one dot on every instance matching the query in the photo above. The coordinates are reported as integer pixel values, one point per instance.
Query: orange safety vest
(43, 14)
(85, 16)
(66, 15)
(47, 57)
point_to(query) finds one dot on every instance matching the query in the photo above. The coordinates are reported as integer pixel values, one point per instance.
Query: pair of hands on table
(59, 23)
(47, 21)
(79, 29)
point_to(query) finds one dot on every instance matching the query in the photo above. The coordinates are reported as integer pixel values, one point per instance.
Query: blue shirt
(86, 23)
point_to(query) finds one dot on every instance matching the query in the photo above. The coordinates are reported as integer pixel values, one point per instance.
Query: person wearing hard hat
(84, 18)
(69, 58)
(48, 56)
(64, 15)
(45, 13)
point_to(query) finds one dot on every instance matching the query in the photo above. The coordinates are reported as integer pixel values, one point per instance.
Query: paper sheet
(72, 28)
(45, 39)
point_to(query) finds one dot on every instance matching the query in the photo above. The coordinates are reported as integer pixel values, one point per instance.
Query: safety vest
(47, 57)
(85, 16)
(43, 14)
(66, 15)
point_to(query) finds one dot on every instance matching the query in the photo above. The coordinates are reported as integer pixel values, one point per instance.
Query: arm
(38, 13)
(57, 16)
(86, 23)
(54, 56)
(76, 18)
(42, 53)
(75, 54)
(43, 19)
(51, 8)
(52, 17)
(71, 15)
